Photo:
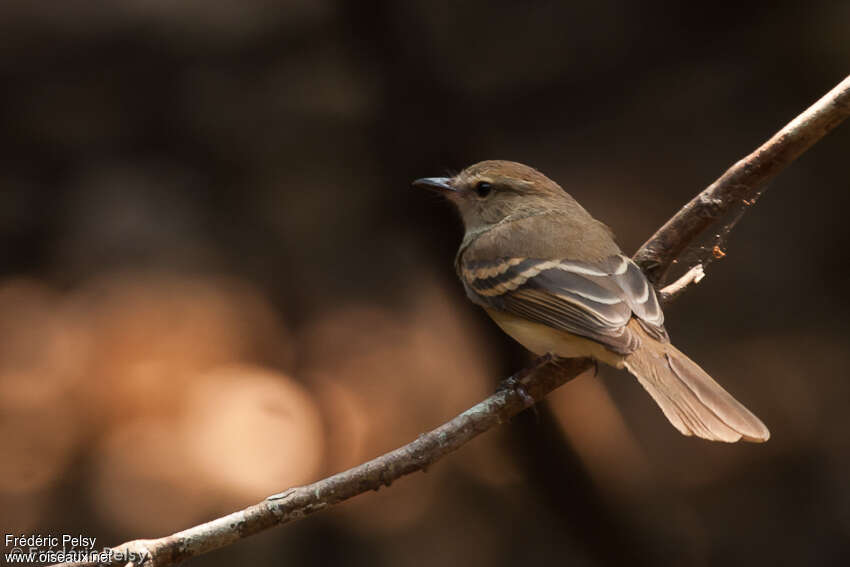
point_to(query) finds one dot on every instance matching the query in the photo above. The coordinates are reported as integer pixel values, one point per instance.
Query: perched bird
(552, 277)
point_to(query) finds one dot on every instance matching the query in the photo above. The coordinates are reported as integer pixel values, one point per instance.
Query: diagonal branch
(741, 183)
(295, 503)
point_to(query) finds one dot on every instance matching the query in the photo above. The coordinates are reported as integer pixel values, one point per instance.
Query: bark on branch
(741, 183)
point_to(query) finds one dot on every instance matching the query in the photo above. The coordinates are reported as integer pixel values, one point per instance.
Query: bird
(554, 279)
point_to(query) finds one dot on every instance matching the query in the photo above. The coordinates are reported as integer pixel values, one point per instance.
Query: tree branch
(740, 184)
(295, 503)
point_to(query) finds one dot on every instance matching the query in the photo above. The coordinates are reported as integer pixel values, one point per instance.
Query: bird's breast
(542, 339)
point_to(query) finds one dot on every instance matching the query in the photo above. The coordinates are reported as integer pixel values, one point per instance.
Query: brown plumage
(552, 277)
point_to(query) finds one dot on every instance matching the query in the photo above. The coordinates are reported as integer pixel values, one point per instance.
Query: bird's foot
(516, 381)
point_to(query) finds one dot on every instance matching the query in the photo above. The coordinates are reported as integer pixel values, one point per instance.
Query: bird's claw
(515, 382)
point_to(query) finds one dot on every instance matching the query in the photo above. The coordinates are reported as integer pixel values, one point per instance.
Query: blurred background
(216, 283)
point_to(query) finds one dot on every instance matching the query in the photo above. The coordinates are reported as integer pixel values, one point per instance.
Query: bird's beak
(438, 184)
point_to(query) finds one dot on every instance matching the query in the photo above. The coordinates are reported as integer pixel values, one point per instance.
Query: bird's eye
(482, 189)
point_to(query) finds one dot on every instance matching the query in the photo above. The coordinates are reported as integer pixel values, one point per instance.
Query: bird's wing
(593, 300)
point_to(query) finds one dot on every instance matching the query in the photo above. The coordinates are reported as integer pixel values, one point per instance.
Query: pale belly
(541, 339)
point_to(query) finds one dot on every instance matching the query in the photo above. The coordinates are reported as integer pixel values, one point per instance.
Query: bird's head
(490, 192)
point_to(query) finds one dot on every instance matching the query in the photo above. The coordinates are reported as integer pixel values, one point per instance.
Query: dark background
(216, 282)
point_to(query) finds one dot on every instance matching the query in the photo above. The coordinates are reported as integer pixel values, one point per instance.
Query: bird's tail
(693, 402)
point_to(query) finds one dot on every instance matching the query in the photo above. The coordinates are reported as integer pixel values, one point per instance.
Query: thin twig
(740, 182)
(743, 182)
(675, 289)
